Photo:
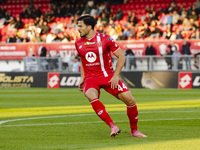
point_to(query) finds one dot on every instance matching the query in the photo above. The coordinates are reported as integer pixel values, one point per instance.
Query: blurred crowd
(59, 24)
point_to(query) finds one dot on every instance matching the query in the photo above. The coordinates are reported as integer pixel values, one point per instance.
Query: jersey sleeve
(111, 44)
(76, 47)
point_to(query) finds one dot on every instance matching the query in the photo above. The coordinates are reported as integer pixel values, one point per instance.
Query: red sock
(132, 113)
(100, 110)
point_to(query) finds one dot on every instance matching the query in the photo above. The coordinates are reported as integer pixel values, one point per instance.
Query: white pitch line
(50, 124)
(76, 115)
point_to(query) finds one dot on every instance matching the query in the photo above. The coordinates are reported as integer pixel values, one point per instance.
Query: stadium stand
(146, 11)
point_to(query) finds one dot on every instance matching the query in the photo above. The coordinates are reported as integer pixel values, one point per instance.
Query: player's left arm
(120, 63)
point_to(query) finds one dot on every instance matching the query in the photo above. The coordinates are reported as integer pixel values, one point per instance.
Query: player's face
(83, 29)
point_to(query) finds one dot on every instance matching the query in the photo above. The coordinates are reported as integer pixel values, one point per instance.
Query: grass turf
(55, 119)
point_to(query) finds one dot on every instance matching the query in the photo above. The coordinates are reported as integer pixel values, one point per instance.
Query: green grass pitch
(63, 119)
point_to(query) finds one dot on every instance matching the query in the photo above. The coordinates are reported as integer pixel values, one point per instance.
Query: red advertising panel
(185, 80)
(53, 80)
(21, 50)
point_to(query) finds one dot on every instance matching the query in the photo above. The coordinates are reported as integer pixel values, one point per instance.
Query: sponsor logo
(90, 57)
(53, 80)
(15, 79)
(80, 46)
(185, 80)
(196, 81)
(89, 43)
(70, 81)
(100, 112)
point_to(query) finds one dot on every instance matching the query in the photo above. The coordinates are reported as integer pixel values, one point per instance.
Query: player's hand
(81, 85)
(114, 82)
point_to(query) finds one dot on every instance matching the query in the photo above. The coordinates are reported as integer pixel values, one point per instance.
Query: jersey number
(123, 87)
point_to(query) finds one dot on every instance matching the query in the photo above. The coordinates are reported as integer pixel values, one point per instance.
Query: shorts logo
(90, 57)
(53, 80)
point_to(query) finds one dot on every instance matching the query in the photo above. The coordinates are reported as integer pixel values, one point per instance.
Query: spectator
(8, 18)
(119, 14)
(182, 16)
(111, 22)
(126, 32)
(76, 65)
(167, 34)
(130, 59)
(2, 12)
(43, 51)
(31, 6)
(24, 13)
(37, 12)
(101, 29)
(38, 38)
(81, 9)
(121, 37)
(11, 25)
(155, 32)
(50, 17)
(168, 54)
(197, 5)
(57, 27)
(172, 47)
(193, 15)
(197, 27)
(175, 17)
(45, 28)
(168, 59)
(104, 20)
(176, 59)
(163, 19)
(111, 31)
(68, 11)
(36, 21)
(185, 33)
(65, 60)
(63, 10)
(87, 9)
(185, 50)
(132, 18)
(94, 10)
(178, 34)
(18, 39)
(196, 62)
(132, 32)
(154, 17)
(146, 32)
(11, 39)
(18, 23)
(169, 18)
(172, 7)
(64, 37)
(150, 51)
(50, 37)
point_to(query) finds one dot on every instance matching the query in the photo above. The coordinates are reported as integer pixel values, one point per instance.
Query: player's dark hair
(88, 20)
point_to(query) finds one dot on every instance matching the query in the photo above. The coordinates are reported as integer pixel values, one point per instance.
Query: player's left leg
(132, 112)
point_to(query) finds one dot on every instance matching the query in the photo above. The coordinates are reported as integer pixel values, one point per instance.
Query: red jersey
(95, 55)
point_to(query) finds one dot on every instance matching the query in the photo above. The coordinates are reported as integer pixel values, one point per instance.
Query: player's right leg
(99, 108)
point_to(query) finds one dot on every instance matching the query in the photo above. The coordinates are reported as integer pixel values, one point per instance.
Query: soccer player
(95, 50)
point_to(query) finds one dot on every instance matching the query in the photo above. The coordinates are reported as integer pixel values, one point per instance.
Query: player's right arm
(81, 84)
